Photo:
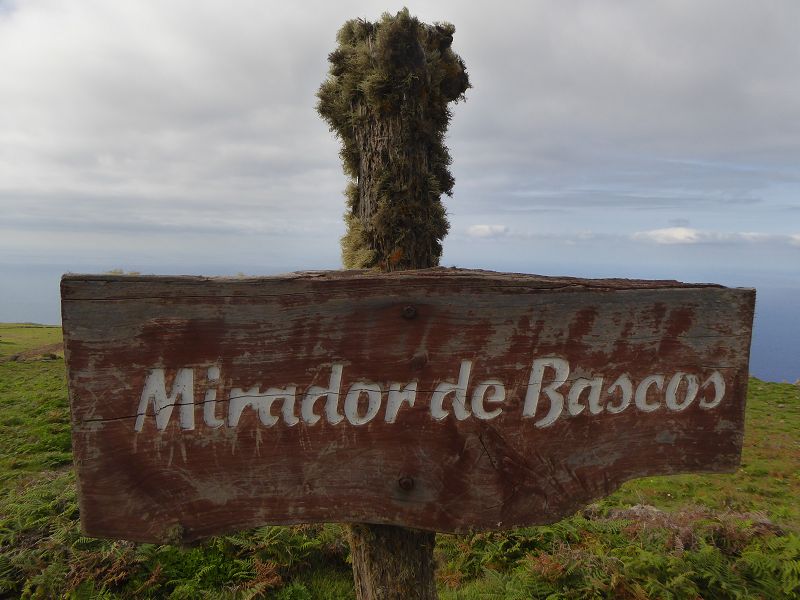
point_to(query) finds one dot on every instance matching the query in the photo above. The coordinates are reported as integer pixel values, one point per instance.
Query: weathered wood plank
(441, 399)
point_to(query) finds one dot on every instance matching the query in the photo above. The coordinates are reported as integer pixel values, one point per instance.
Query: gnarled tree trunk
(386, 98)
(392, 563)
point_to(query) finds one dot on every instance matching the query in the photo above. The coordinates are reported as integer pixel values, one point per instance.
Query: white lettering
(288, 407)
(535, 380)
(549, 378)
(459, 391)
(718, 382)
(373, 391)
(594, 386)
(624, 385)
(641, 392)
(397, 397)
(331, 392)
(262, 402)
(672, 391)
(155, 389)
(210, 402)
(479, 399)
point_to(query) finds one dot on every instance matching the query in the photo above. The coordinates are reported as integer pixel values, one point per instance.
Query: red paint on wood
(445, 475)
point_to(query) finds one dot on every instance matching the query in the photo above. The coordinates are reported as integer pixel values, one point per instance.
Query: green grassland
(16, 338)
(689, 536)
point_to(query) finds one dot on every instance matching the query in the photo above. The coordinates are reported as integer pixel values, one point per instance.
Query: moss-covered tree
(386, 98)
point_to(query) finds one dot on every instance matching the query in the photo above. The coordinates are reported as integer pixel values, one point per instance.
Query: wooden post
(386, 97)
(405, 403)
(392, 562)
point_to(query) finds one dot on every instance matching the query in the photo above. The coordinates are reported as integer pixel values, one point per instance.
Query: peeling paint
(635, 378)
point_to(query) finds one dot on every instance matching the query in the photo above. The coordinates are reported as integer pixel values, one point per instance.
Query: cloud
(187, 120)
(487, 231)
(795, 239)
(670, 235)
(686, 235)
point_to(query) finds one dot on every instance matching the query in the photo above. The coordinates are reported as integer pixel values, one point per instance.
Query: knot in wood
(406, 483)
(409, 312)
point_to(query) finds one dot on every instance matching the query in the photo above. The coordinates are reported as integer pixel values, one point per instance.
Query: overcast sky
(601, 138)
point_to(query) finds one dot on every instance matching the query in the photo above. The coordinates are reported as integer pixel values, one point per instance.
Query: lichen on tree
(386, 98)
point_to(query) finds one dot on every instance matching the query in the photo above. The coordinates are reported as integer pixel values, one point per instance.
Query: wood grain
(473, 469)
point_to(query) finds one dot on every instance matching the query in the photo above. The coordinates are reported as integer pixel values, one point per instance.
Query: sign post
(405, 403)
(439, 399)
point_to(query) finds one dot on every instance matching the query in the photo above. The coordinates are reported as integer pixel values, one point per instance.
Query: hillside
(690, 536)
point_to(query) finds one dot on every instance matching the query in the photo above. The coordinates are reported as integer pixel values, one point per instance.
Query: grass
(34, 419)
(769, 477)
(689, 536)
(20, 337)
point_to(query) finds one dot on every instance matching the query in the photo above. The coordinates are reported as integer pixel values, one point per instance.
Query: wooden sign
(442, 399)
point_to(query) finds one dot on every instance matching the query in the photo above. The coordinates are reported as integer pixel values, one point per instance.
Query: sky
(600, 138)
